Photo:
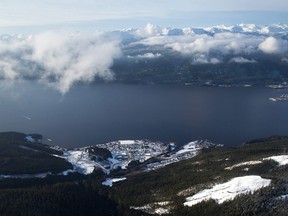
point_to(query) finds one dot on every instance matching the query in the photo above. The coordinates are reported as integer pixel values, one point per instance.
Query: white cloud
(271, 45)
(6, 69)
(242, 60)
(147, 55)
(224, 43)
(59, 59)
(202, 59)
(149, 30)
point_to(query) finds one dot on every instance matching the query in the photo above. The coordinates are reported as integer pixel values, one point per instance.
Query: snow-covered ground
(186, 152)
(81, 161)
(229, 190)
(127, 142)
(161, 211)
(248, 163)
(158, 208)
(116, 163)
(191, 147)
(280, 159)
(30, 139)
(283, 197)
(109, 181)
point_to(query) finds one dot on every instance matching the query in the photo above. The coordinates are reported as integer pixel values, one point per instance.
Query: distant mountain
(153, 30)
(244, 54)
(221, 55)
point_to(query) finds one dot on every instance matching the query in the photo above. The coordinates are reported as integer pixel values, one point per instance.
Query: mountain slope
(173, 184)
(169, 190)
(18, 155)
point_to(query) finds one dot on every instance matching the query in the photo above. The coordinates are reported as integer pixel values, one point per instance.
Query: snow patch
(161, 211)
(30, 139)
(280, 159)
(282, 197)
(81, 161)
(27, 148)
(243, 164)
(190, 147)
(126, 142)
(109, 181)
(229, 190)
(155, 208)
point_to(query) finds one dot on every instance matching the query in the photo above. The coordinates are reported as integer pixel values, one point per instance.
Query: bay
(99, 113)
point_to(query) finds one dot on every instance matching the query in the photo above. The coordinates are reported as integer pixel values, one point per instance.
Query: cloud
(222, 43)
(211, 48)
(271, 45)
(59, 59)
(241, 60)
(202, 59)
(147, 55)
(149, 30)
(225, 43)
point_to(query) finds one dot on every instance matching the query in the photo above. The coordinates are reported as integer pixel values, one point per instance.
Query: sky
(35, 15)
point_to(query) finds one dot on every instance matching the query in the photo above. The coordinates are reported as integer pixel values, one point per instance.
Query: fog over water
(92, 114)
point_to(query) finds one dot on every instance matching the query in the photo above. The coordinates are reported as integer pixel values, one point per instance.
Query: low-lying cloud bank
(60, 59)
(224, 43)
(209, 45)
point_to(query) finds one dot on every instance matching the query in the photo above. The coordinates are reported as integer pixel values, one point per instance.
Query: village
(135, 150)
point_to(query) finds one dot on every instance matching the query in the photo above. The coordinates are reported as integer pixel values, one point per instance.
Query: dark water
(89, 115)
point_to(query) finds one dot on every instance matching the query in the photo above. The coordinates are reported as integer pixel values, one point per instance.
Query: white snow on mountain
(229, 190)
(81, 161)
(152, 30)
(126, 142)
(280, 159)
(190, 147)
(247, 163)
(30, 139)
(109, 181)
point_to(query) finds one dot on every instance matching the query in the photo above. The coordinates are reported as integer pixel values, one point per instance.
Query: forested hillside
(163, 191)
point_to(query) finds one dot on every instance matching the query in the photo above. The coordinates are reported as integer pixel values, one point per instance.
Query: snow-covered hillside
(229, 190)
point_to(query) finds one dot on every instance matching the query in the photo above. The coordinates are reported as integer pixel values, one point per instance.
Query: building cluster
(186, 152)
(135, 150)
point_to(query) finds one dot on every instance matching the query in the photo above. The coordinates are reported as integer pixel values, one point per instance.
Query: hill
(250, 179)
